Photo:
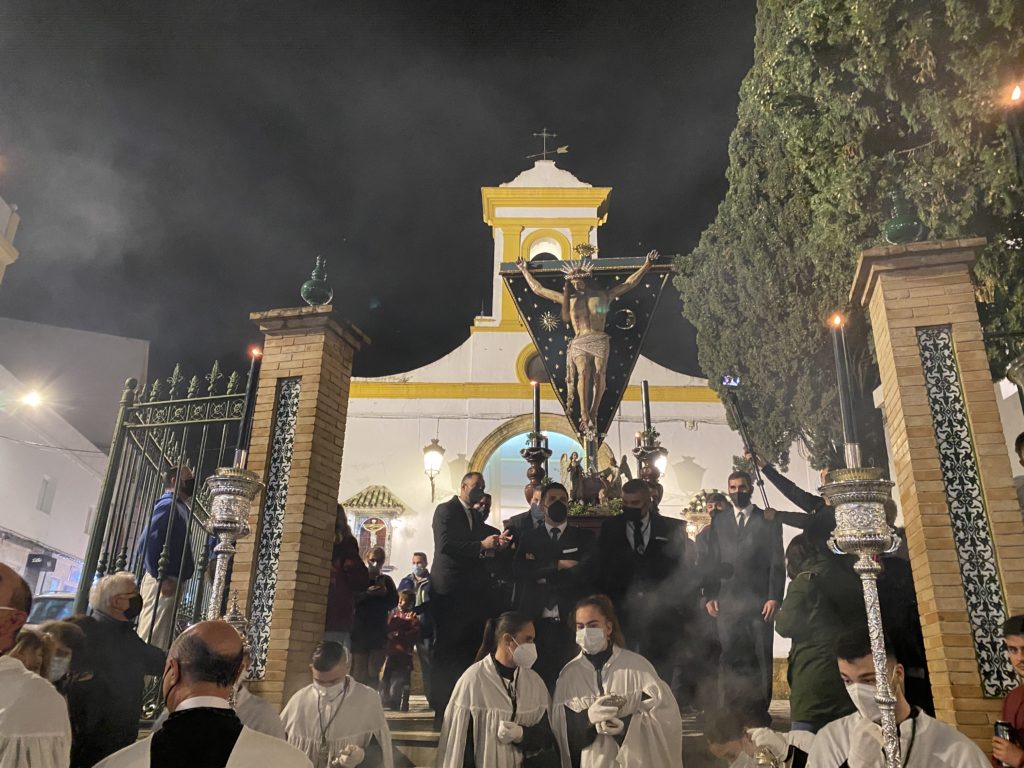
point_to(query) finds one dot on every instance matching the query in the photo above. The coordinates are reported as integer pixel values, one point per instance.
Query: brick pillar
(282, 569)
(962, 518)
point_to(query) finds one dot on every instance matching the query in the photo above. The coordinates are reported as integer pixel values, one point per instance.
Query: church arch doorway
(497, 457)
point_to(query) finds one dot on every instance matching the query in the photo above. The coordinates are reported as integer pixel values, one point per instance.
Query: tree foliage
(847, 102)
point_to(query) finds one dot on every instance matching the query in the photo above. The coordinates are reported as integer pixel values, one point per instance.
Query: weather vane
(543, 154)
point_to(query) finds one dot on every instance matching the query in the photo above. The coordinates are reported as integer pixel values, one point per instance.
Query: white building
(476, 399)
(53, 454)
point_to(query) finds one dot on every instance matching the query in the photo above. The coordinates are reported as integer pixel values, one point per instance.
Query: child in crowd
(403, 632)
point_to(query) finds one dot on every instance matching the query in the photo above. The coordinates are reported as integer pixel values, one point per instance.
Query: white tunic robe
(252, 750)
(255, 712)
(360, 720)
(935, 745)
(481, 696)
(655, 733)
(34, 728)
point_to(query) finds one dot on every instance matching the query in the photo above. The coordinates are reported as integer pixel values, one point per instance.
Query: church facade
(476, 400)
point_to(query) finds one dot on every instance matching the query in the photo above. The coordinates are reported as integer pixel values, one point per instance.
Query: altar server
(202, 730)
(856, 740)
(336, 721)
(34, 727)
(498, 713)
(610, 708)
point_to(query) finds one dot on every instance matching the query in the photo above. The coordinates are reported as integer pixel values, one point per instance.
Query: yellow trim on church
(543, 197)
(431, 390)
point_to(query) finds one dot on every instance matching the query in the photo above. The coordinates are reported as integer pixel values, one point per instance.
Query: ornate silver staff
(859, 495)
(232, 490)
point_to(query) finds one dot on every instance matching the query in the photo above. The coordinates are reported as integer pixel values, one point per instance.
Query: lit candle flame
(837, 320)
(1016, 95)
(255, 352)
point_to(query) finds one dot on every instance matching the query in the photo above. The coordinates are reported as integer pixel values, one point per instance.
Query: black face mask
(188, 487)
(740, 499)
(633, 514)
(557, 512)
(476, 495)
(134, 607)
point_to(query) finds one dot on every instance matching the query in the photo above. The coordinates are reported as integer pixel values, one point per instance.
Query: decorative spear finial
(316, 292)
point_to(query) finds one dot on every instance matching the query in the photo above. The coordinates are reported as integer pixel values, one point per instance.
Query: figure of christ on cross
(586, 307)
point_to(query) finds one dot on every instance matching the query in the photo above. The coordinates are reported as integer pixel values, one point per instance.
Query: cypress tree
(846, 104)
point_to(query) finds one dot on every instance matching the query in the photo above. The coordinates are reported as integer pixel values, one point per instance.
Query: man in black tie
(518, 525)
(462, 597)
(553, 569)
(642, 558)
(202, 729)
(744, 604)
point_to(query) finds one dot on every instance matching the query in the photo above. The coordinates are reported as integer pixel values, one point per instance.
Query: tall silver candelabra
(858, 495)
(232, 490)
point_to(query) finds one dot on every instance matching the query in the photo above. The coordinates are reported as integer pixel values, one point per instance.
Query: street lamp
(433, 457)
(1015, 125)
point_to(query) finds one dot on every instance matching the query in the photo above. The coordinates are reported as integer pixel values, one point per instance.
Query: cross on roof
(543, 154)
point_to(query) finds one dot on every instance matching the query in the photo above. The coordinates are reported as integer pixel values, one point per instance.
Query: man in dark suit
(553, 568)
(531, 519)
(642, 559)
(462, 598)
(744, 604)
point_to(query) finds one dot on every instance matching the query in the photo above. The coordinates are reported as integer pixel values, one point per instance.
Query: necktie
(638, 538)
(740, 518)
(554, 535)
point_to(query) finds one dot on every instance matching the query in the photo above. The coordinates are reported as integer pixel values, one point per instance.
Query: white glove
(611, 727)
(601, 710)
(866, 745)
(768, 739)
(509, 732)
(351, 755)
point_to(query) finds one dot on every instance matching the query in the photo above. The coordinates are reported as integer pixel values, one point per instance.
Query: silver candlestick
(858, 495)
(232, 490)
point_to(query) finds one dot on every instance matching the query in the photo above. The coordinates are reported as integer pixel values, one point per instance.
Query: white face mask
(524, 655)
(330, 691)
(863, 697)
(591, 639)
(58, 668)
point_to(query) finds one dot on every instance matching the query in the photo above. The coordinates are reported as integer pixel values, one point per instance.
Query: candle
(838, 325)
(645, 396)
(638, 438)
(245, 427)
(536, 407)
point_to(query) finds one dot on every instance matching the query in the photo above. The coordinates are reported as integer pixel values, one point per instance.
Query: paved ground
(415, 738)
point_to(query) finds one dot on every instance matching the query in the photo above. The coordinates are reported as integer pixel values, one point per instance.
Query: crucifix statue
(585, 307)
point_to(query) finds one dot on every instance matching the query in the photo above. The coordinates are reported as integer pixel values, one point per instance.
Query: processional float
(588, 318)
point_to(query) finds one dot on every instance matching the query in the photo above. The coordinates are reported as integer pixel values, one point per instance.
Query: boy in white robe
(335, 721)
(202, 731)
(610, 708)
(856, 740)
(498, 713)
(729, 739)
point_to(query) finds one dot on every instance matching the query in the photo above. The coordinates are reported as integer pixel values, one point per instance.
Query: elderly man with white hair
(121, 660)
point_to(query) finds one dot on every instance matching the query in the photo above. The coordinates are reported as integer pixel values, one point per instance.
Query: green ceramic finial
(904, 226)
(316, 292)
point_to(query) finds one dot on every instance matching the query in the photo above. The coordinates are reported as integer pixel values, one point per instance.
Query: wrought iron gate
(156, 431)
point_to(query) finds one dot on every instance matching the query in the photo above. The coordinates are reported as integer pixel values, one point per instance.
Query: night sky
(178, 165)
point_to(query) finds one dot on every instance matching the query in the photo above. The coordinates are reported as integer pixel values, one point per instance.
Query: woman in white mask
(498, 713)
(610, 708)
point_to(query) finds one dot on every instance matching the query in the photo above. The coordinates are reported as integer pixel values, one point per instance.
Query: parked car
(50, 607)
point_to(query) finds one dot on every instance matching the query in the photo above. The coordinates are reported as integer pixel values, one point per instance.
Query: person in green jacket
(823, 593)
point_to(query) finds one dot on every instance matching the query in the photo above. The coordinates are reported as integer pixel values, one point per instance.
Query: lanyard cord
(320, 715)
(913, 736)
